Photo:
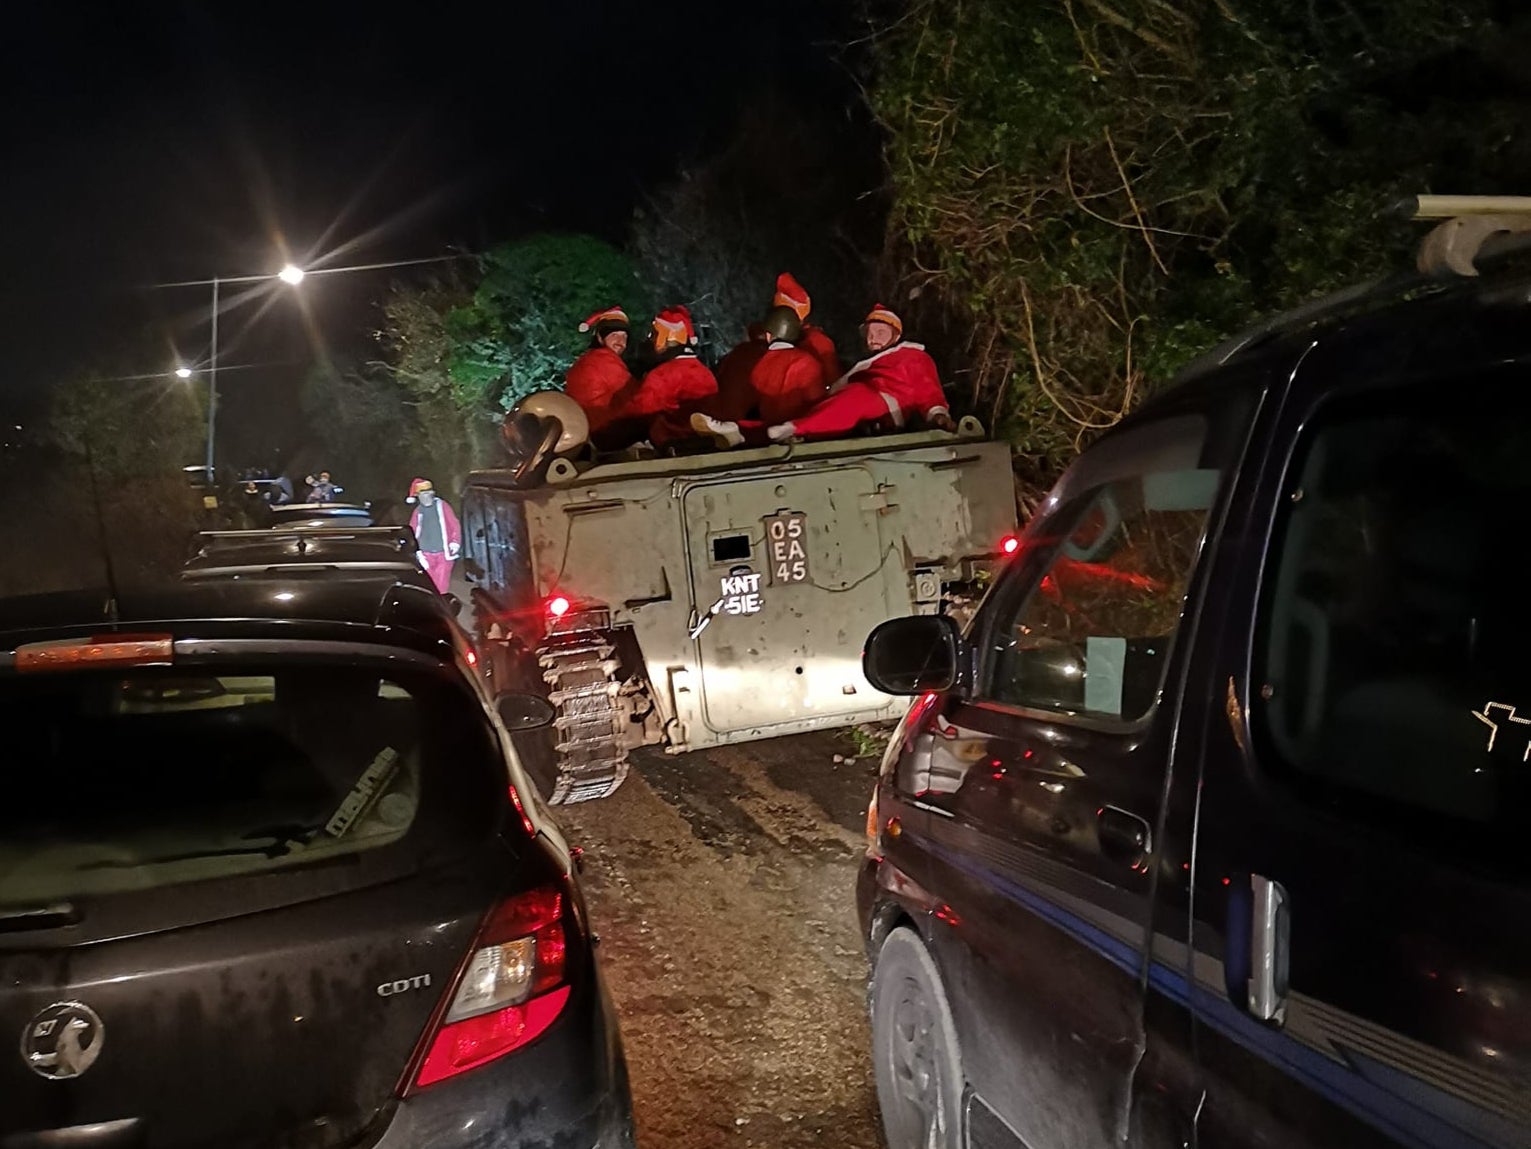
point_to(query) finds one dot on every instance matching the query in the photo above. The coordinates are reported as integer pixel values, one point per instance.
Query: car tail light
(1009, 545)
(510, 990)
(558, 606)
(105, 650)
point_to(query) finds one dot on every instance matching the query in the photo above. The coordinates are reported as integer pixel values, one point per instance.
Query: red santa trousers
(894, 384)
(439, 567)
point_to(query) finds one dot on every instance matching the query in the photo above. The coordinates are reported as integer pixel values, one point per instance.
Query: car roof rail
(1473, 230)
(269, 533)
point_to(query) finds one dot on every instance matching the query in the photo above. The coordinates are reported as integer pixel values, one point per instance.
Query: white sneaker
(781, 432)
(725, 434)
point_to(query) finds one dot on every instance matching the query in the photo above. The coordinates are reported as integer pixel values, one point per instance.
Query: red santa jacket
(595, 382)
(906, 375)
(446, 519)
(818, 344)
(736, 393)
(671, 383)
(787, 380)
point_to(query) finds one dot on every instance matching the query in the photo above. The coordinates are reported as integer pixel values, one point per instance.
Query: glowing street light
(290, 274)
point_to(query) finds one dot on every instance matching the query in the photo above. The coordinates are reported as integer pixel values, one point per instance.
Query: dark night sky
(147, 143)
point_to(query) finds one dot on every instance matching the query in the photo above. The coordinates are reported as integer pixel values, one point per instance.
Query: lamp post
(292, 275)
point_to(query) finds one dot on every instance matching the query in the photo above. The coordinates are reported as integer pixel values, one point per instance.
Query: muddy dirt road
(721, 886)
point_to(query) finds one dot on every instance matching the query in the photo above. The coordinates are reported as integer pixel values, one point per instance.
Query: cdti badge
(63, 1040)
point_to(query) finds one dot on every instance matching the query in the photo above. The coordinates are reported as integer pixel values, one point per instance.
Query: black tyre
(514, 670)
(914, 1048)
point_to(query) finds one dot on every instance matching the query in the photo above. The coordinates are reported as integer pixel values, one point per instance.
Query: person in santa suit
(734, 399)
(896, 381)
(599, 380)
(678, 375)
(787, 380)
(677, 379)
(736, 395)
(815, 341)
(437, 531)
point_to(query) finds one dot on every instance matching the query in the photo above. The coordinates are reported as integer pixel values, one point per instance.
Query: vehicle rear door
(1362, 925)
(795, 573)
(230, 901)
(1047, 789)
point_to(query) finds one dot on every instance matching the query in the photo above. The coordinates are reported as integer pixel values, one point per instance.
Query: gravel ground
(721, 884)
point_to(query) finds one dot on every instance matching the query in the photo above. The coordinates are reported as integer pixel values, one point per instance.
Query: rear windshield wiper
(284, 840)
(39, 917)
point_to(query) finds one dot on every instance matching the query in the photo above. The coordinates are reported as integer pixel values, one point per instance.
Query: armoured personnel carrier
(718, 597)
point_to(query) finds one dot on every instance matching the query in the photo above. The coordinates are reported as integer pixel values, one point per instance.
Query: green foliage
(367, 428)
(117, 481)
(520, 330)
(463, 350)
(1090, 192)
(130, 428)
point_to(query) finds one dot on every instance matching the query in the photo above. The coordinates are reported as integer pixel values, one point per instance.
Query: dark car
(270, 875)
(291, 515)
(297, 549)
(1210, 828)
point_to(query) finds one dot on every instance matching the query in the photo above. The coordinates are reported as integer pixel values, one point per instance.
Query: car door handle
(1124, 837)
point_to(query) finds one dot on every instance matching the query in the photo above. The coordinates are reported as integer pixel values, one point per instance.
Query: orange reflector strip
(110, 650)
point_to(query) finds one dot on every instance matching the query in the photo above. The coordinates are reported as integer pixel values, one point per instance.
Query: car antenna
(106, 550)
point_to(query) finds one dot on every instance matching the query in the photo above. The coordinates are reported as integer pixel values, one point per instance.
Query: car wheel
(914, 1048)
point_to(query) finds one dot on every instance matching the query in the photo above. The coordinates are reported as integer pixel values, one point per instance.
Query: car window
(1088, 630)
(161, 775)
(1392, 627)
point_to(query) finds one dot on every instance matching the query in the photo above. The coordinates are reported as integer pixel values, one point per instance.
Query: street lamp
(290, 274)
(183, 372)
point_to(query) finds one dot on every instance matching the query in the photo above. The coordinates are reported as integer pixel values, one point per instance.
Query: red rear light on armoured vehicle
(558, 606)
(1009, 545)
(508, 993)
(105, 650)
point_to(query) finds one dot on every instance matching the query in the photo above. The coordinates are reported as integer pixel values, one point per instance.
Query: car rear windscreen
(127, 780)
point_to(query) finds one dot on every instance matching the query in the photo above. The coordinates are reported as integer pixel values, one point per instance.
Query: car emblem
(62, 1040)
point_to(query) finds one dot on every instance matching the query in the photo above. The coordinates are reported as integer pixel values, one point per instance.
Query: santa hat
(416, 487)
(790, 293)
(880, 314)
(676, 323)
(611, 317)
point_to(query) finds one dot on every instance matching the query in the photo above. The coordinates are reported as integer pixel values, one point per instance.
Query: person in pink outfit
(436, 530)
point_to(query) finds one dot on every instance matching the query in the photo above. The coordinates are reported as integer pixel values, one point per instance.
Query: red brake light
(1009, 545)
(526, 822)
(510, 990)
(104, 650)
(558, 606)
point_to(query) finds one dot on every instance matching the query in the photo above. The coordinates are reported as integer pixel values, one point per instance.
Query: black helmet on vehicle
(782, 323)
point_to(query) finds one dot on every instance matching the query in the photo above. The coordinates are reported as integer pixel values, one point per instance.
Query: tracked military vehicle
(715, 598)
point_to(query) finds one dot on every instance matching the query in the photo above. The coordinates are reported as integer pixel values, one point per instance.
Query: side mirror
(454, 604)
(912, 655)
(524, 711)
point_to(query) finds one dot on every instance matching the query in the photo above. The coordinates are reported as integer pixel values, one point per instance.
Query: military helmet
(782, 323)
(557, 405)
